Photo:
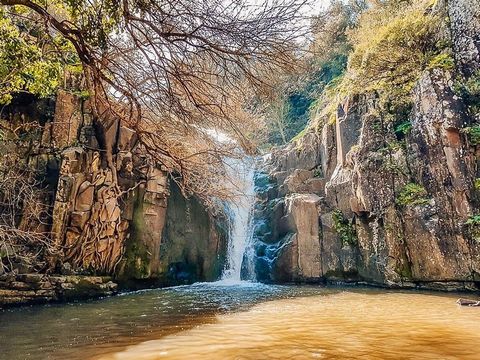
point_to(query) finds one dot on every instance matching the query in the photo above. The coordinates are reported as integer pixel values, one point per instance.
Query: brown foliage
(172, 70)
(24, 216)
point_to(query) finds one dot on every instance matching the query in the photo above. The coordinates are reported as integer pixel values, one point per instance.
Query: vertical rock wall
(360, 201)
(465, 22)
(129, 220)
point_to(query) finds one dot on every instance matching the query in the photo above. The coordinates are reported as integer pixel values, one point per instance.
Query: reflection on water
(81, 330)
(340, 326)
(237, 322)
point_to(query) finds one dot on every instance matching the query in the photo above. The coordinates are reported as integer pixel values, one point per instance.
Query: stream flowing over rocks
(353, 200)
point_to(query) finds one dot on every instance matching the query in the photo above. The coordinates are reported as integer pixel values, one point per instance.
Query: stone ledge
(23, 289)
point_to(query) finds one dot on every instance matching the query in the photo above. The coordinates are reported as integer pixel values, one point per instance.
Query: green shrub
(403, 128)
(476, 184)
(442, 61)
(30, 61)
(300, 135)
(318, 172)
(473, 224)
(345, 230)
(473, 220)
(82, 94)
(473, 134)
(469, 90)
(393, 44)
(412, 195)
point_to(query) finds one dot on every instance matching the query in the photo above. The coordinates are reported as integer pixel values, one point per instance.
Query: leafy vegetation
(473, 133)
(318, 172)
(392, 43)
(299, 135)
(412, 195)
(473, 220)
(296, 96)
(442, 61)
(359, 46)
(31, 60)
(345, 230)
(476, 184)
(403, 129)
(473, 225)
(469, 90)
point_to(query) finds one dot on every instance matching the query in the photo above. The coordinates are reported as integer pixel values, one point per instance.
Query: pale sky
(318, 5)
(313, 9)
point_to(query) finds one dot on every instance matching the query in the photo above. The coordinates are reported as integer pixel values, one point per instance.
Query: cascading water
(240, 249)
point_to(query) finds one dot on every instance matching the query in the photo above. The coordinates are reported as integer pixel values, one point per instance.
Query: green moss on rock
(136, 258)
(412, 195)
(473, 133)
(473, 226)
(345, 230)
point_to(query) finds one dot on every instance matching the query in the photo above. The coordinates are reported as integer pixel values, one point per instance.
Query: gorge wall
(361, 200)
(130, 223)
(358, 199)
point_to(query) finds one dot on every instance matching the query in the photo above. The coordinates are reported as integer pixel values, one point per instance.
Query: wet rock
(468, 302)
(173, 241)
(37, 288)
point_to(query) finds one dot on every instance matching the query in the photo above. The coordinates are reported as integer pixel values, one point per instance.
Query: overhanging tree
(170, 69)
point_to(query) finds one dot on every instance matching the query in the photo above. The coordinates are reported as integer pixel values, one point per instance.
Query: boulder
(468, 302)
(303, 212)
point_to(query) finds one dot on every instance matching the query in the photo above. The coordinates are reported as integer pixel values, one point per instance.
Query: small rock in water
(467, 302)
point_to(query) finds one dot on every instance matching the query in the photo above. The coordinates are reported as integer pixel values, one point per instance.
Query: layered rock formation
(41, 288)
(129, 221)
(364, 200)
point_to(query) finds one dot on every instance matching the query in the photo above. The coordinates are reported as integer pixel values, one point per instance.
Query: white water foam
(240, 247)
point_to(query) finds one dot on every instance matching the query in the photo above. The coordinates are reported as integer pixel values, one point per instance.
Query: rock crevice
(382, 209)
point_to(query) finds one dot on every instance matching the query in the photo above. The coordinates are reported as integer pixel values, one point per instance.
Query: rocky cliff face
(130, 221)
(366, 200)
(126, 230)
(465, 22)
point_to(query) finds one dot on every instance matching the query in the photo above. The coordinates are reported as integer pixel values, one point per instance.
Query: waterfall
(240, 248)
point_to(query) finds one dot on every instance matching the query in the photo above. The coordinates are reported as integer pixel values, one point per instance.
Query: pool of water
(246, 321)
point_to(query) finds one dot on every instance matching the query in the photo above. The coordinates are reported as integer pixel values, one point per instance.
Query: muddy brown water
(246, 321)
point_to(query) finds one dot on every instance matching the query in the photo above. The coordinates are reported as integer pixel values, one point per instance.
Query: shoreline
(38, 289)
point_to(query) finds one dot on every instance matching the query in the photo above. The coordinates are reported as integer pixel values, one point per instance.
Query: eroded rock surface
(40, 288)
(110, 216)
(465, 22)
(392, 209)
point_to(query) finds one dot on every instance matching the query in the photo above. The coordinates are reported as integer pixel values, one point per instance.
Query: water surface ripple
(246, 321)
